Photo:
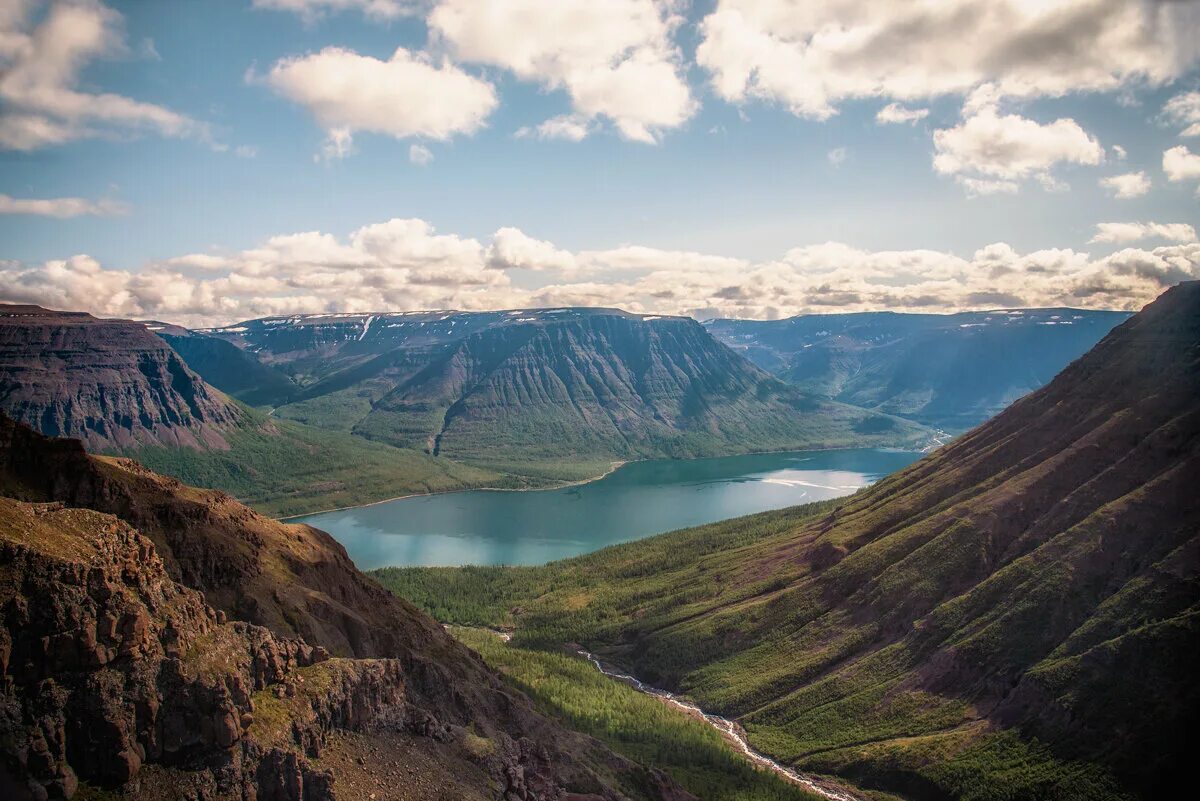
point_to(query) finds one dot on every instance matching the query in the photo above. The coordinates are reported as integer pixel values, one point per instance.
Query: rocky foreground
(168, 643)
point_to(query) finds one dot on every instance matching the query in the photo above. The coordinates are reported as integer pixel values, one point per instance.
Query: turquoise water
(487, 527)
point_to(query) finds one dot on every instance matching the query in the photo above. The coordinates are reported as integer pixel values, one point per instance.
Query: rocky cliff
(110, 383)
(118, 672)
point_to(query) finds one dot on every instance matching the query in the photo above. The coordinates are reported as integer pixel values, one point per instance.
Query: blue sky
(718, 181)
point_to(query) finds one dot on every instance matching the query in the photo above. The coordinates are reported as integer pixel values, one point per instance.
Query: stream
(730, 730)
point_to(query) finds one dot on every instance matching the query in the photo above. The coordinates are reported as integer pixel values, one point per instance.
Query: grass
(283, 468)
(816, 642)
(633, 724)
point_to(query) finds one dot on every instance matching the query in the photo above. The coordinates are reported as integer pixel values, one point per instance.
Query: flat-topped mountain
(166, 642)
(952, 371)
(1015, 616)
(111, 383)
(544, 386)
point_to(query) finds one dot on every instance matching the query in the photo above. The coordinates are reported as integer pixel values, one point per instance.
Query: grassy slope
(634, 724)
(1015, 616)
(284, 468)
(685, 590)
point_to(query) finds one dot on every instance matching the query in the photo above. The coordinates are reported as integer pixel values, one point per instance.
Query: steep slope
(115, 667)
(563, 385)
(951, 371)
(124, 390)
(1013, 617)
(110, 383)
(226, 366)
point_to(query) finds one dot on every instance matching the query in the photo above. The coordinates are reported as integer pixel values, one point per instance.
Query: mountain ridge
(111, 383)
(952, 371)
(544, 386)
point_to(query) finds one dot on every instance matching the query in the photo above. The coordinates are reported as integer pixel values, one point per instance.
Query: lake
(491, 527)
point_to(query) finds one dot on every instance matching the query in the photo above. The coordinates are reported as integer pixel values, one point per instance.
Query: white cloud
(1119, 153)
(405, 264)
(1007, 147)
(810, 57)
(420, 155)
(512, 249)
(986, 186)
(61, 207)
(313, 10)
(1127, 185)
(571, 127)
(1184, 109)
(40, 67)
(615, 60)
(406, 96)
(1134, 231)
(837, 156)
(895, 114)
(1181, 164)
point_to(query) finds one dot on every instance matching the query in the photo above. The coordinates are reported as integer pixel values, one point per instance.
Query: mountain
(111, 383)
(1015, 616)
(119, 386)
(510, 389)
(166, 642)
(951, 371)
(226, 366)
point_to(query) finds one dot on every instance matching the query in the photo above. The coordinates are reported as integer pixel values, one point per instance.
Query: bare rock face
(131, 656)
(109, 664)
(111, 383)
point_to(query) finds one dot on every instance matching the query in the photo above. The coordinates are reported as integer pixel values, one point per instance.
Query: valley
(636, 400)
(957, 630)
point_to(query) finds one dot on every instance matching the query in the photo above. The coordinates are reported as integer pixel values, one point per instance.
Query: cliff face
(118, 672)
(108, 664)
(110, 383)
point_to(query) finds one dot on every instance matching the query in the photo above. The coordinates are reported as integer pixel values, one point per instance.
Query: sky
(209, 162)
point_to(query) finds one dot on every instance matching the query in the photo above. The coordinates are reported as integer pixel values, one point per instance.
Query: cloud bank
(404, 264)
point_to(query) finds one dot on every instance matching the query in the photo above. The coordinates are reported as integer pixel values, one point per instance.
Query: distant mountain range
(951, 371)
(1015, 617)
(544, 386)
(409, 402)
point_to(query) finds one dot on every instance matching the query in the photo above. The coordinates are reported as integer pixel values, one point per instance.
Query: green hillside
(1013, 617)
(283, 468)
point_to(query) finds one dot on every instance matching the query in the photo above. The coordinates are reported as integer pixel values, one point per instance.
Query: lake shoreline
(635, 500)
(613, 467)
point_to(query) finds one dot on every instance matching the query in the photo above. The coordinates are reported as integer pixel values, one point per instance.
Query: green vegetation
(742, 616)
(580, 599)
(283, 468)
(632, 723)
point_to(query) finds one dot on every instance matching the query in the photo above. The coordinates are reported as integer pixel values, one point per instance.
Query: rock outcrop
(132, 656)
(110, 383)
